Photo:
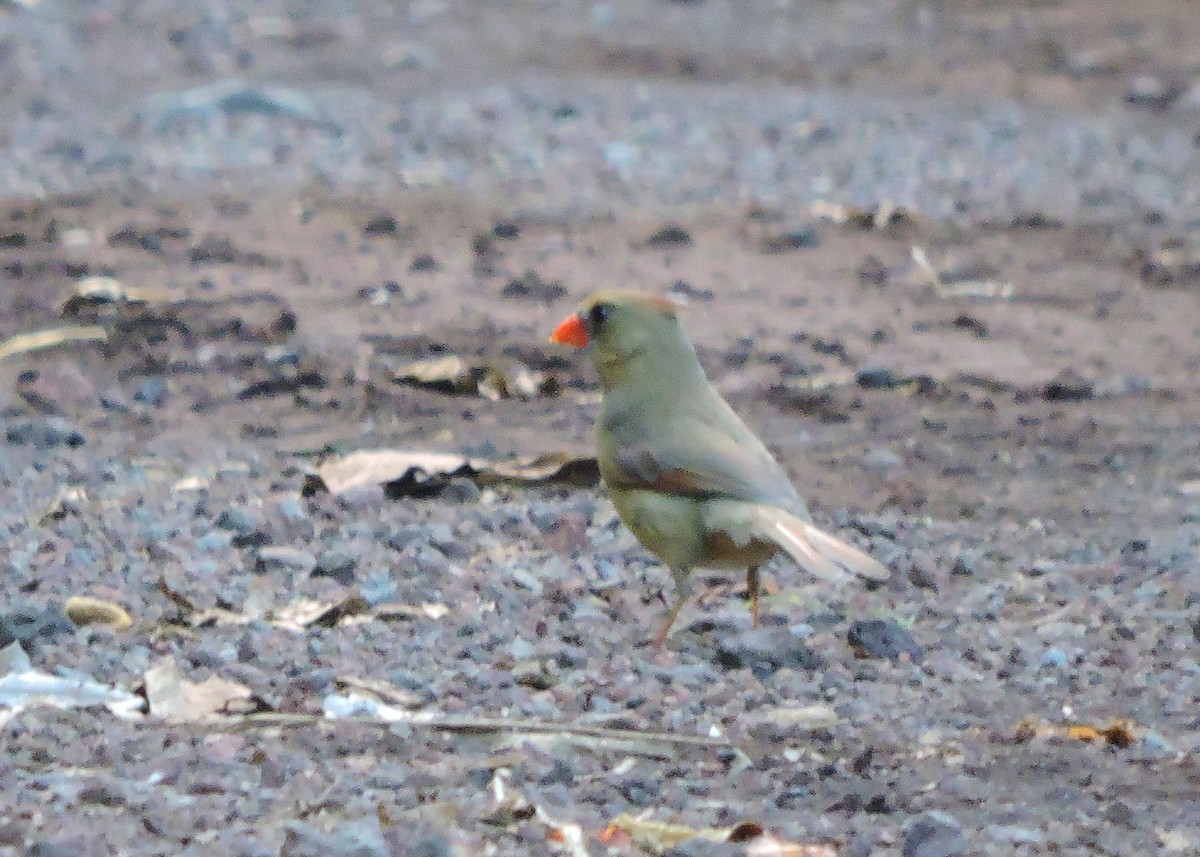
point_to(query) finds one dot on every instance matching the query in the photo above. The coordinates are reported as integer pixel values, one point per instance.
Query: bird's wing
(698, 459)
(814, 550)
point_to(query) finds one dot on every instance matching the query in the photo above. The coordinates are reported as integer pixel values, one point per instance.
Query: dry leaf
(37, 340)
(405, 472)
(453, 375)
(174, 698)
(658, 837)
(448, 374)
(85, 610)
(306, 612)
(1118, 733)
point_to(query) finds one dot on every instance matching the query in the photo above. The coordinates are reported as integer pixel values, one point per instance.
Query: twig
(39, 339)
(597, 735)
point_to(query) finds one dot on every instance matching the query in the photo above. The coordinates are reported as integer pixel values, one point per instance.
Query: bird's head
(624, 329)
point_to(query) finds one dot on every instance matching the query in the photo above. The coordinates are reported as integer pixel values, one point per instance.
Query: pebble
(1054, 658)
(764, 651)
(54, 849)
(152, 392)
(43, 433)
(336, 563)
(282, 558)
(933, 834)
(883, 638)
(348, 839)
(29, 626)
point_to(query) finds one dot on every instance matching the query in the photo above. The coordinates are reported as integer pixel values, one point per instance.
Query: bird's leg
(752, 585)
(683, 594)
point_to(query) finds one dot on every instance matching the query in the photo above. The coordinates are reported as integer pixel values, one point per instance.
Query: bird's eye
(597, 315)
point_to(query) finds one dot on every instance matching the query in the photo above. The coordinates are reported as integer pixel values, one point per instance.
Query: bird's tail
(814, 550)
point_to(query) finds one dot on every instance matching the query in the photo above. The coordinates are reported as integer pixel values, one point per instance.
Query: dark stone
(687, 290)
(381, 224)
(639, 791)
(670, 236)
(1068, 386)
(506, 230)
(532, 287)
(883, 638)
(54, 849)
(152, 391)
(873, 271)
(879, 378)
(802, 238)
(301, 839)
(247, 527)
(765, 651)
(336, 563)
(933, 834)
(423, 263)
(29, 626)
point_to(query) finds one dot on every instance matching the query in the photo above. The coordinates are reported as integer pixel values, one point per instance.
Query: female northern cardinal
(686, 475)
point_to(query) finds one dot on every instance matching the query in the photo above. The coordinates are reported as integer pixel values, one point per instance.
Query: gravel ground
(942, 256)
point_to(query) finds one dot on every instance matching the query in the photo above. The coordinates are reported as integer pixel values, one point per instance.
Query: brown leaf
(407, 473)
(1118, 733)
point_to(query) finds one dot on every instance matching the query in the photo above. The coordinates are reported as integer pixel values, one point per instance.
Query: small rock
(423, 263)
(29, 626)
(568, 534)
(85, 610)
(271, 559)
(506, 230)
(533, 674)
(639, 791)
(883, 638)
(430, 846)
(248, 527)
(1152, 91)
(54, 849)
(964, 566)
(461, 489)
(880, 378)
(114, 401)
(873, 272)
(878, 458)
(764, 651)
(933, 834)
(1015, 834)
(670, 236)
(531, 286)
(1067, 386)
(686, 290)
(561, 772)
(336, 563)
(381, 224)
(301, 839)
(152, 391)
(238, 519)
(923, 576)
(1053, 658)
(801, 238)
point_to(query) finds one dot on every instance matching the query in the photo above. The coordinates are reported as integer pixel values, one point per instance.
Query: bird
(686, 475)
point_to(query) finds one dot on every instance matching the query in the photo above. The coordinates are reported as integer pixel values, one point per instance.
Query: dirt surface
(942, 256)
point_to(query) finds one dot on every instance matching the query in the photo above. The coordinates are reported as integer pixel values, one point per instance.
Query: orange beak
(571, 331)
